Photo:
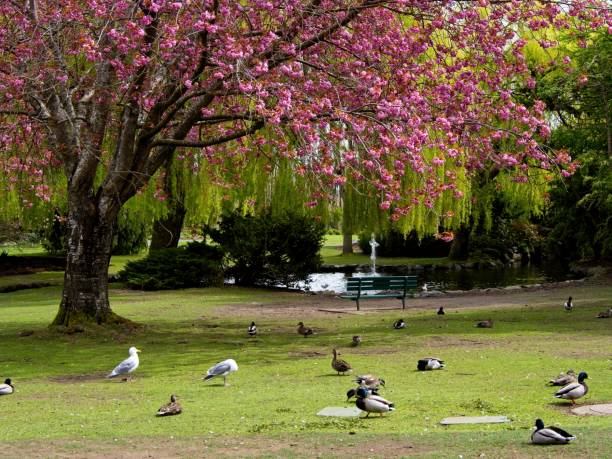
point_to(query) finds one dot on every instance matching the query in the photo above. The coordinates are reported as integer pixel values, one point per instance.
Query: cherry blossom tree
(109, 90)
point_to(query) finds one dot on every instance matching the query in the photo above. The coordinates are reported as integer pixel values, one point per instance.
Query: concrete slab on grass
(474, 420)
(340, 411)
(604, 409)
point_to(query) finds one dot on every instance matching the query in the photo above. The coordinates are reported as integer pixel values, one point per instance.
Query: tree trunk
(347, 243)
(460, 246)
(167, 231)
(85, 295)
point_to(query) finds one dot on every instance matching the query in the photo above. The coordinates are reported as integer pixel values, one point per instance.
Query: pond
(449, 279)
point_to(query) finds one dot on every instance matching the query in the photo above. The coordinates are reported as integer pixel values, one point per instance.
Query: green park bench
(389, 287)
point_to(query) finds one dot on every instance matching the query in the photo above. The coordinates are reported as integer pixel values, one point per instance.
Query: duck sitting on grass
(485, 324)
(575, 390)
(605, 314)
(7, 388)
(399, 324)
(550, 435)
(430, 363)
(341, 366)
(304, 331)
(564, 379)
(356, 341)
(170, 409)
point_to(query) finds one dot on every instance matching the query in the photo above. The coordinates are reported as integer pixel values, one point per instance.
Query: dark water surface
(450, 279)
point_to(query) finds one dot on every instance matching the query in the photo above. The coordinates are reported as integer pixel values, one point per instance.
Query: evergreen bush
(270, 249)
(196, 265)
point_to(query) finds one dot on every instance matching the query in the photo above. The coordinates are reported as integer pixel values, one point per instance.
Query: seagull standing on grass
(222, 369)
(127, 366)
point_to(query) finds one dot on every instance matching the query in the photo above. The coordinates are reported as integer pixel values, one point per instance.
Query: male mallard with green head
(372, 403)
(550, 435)
(575, 390)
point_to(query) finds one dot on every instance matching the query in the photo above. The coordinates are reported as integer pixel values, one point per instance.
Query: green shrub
(130, 234)
(54, 235)
(270, 249)
(195, 265)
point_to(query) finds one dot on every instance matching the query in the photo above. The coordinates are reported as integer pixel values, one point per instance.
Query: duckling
(605, 314)
(430, 363)
(370, 381)
(170, 409)
(550, 435)
(574, 390)
(341, 366)
(399, 324)
(252, 330)
(7, 388)
(356, 341)
(564, 379)
(568, 306)
(304, 331)
(441, 311)
(372, 403)
(485, 324)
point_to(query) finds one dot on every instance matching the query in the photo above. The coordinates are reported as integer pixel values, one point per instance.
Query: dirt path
(313, 305)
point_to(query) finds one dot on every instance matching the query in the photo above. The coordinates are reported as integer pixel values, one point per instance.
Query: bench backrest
(355, 284)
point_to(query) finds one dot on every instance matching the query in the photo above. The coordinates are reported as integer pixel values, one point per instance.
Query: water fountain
(373, 244)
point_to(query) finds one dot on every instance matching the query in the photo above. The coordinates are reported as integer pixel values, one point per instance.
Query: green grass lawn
(62, 399)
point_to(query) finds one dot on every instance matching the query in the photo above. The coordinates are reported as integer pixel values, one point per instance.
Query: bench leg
(357, 301)
(403, 303)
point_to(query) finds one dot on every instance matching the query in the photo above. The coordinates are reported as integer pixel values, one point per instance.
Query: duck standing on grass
(356, 341)
(7, 388)
(304, 331)
(399, 324)
(568, 306)
(170, 409)
(222, 369)
(441, 311)
(252, 330)
(372, 403)
(550, 435)
(341, 366)
(574, 390)
(430, 363)
(128, 366)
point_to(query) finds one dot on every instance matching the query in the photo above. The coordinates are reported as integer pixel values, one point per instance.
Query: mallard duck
(341, 366)
(574, 390)
(430, 363)
(170, 409)
(605, 314)
(399, 324)
(564, 379)
(549, 435)
(441, 311)
(304, 331)
(252, 330)
(7, 388)
(356, 340)
(353, 392)
(485, 324)
(372, 403)
(568, 306)
(370, 381)
(128, 365)
(222, 369)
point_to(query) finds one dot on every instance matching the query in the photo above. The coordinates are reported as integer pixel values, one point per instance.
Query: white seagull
(222, 369)
(128, 365)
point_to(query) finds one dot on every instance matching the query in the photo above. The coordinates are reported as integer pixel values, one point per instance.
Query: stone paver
(340, 411)
(474, 420)
(604, 409)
